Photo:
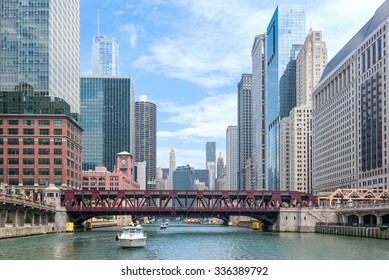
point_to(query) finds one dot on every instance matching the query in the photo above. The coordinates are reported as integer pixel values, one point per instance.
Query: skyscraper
(105, 55)
(350, 104)
(107, 109)
(210, 153)
(40, 42)
(258, 118)
(244, 129)
(286, 29)
(183, 178)
(219, 166)
(146, 137)
(232, 157)
(172, 167)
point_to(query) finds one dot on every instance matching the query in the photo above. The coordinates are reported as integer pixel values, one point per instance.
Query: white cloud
(208, 118)
(131, 31)
(340, 20)
(211, 46)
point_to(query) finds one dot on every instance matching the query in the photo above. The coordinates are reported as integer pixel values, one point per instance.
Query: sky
(187, 57)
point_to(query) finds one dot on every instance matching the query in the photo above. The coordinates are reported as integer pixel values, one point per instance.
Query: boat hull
(132, 243)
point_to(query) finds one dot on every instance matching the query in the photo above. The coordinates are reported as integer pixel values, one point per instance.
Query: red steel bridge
(261, 205)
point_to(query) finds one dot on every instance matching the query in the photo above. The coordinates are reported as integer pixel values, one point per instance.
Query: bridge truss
(262, 205)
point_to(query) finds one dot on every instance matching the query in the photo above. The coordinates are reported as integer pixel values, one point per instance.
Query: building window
(57, 131)
(44, 171)
(44, 161)
(58, 161)
(28, 182)
(28, 131)
(28, 122)
(28, 171)
(13, 141)
(57, 141)
(45, 151)
(57, 171)
(13, 181)
(13, 151)
(28, 151)
(43, 141)
(44, 122)
(13, 122)
(28, 161)
(44, 131)
(28, 141)
(58, 151)
(57, 122)
(13, 131)
(13, 161)
(43, 182)
(13, 171)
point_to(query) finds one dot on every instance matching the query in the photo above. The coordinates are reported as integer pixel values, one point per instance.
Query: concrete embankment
(369, 232)
(9, 232)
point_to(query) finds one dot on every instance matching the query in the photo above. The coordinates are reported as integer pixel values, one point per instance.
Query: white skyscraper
(105, 55)
(232, 157)
(172, 167)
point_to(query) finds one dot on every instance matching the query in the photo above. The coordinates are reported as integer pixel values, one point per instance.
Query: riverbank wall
(369, 232)
(10, 232)
(301, 219)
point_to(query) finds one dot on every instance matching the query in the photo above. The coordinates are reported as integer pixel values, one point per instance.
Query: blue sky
(187, 56)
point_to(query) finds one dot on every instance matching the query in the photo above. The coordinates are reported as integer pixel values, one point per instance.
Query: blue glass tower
(285, 30)
(107, 110)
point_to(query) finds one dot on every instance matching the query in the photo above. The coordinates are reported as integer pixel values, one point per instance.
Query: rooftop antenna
(98, 22)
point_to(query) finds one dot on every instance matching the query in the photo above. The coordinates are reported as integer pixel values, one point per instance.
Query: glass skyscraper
(210, 152)
(286, 29)
(107, 114)
(40, 43)
(105, 56)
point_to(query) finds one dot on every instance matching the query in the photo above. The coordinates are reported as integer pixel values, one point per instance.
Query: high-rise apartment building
(259, 126)
(350, 129)
(232, 157)
(40, 42)
(285, 32)
(146, 137)
(107, 109)
(244, 129)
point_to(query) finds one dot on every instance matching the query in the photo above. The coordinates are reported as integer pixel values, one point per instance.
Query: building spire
(98, 22)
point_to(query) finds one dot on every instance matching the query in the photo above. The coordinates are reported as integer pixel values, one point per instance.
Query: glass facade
(286, 29)
(40, 48)
(210, 152)
(107, 110)
(105, 56)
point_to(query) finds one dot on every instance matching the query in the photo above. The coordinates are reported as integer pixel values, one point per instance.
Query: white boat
(163, 226)
(132, 237)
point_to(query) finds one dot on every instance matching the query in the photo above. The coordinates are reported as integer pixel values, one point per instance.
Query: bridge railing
(25, 201)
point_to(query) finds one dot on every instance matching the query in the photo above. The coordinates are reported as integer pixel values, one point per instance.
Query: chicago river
(194, 242)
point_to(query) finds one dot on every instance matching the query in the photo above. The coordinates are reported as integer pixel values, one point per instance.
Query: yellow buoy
(69, 227)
